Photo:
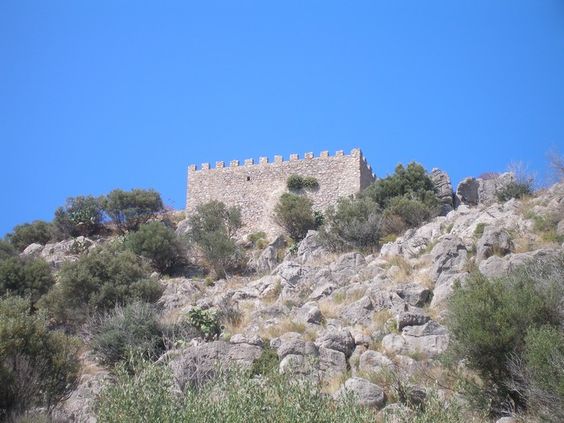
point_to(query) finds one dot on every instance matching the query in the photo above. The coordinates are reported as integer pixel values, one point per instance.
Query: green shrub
(133, 328)
(295, 214)
(7, 250)
(38, 231)
(479, 231)
(147, 396)
(353, 223)
(99, 281)
(258, 239)
(25, 277)
(38, 367)
(158, 243)
(518, 189)
(212, 230)
(489, 319)
(298, 183)
(412, 213)
(411, 182)
(267, 364)
(80, 216)
(130, 209)
(205, 321)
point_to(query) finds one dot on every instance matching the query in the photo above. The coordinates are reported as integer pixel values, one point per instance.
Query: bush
(411, 182)
(412, 213)
(538, 375)
(38, 367)
(29, 278)
(353, 223)
(205, 321)
(133, 328)
(129, 210)
(295, 214)
(212, 229)
(489, 319)
(99, 281)
(147, 396)
(157, 243)
(298, 183)
(515, 190)
(80, 216)
(7, 250)
(23, 235)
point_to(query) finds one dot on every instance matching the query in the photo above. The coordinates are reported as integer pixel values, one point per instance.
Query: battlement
(278, 159)
(256, 186)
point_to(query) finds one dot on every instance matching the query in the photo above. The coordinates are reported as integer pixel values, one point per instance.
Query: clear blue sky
(96, 95)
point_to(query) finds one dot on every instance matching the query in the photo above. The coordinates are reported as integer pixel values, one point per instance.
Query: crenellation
(257, 186)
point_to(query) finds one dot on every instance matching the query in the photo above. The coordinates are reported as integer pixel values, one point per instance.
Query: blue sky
(96, 95)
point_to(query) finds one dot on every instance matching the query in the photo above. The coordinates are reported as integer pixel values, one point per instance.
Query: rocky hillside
(371, 328)
(357, 323)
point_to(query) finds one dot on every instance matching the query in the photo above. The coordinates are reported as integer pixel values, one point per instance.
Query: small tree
(80, 216)
(295, 214)
(30, 278)
(38, 231)
(490, 318)
(353, 223)
(129, 210)
(131, 328)
(39, 367)
(99, 281)
(158, 243)
(6, 250)
(410, 182)
(212, 229)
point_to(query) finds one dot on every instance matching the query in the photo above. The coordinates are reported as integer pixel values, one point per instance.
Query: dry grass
(332, 385)
(329, 309)
(235, 326)
(285, 326)
(405, 268)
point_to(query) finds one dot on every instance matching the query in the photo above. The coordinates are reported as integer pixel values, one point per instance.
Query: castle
(256, 187)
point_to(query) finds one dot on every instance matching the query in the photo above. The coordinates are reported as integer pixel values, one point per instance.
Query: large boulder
(474, 191)
(449, 255)
(443, 187)
(310, 248)
(359, 312)
(365, 393)
(494, 241)
(429, 340)
(338, 340)
(373, 362)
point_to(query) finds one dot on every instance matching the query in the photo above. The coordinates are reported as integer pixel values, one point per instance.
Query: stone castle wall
(256, 187)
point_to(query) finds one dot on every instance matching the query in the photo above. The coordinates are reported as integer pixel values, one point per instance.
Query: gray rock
(289, 343)
(310, 248)
(467, 191)
(560, 228)
(429, 340)
(309, 313)
(443, 187)
(413, 294)
(322, 291)
(366, 394)
(32, 250)
(412, 317)
(493, 241)
(332, 363)
(373, 362)
(358, 312)
(289, 272)
(338, 340)
(449, 255)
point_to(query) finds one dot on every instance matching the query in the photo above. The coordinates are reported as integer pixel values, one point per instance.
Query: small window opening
(248, 178)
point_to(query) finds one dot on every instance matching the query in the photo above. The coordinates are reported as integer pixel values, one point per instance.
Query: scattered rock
(493, 241)
(366, 394)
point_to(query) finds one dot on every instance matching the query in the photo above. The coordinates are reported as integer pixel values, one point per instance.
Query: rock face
(366, 394)
(474, 191)
(442, 183)
(493, 241)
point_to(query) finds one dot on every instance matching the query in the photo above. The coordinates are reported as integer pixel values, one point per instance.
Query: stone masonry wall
(256, 187)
